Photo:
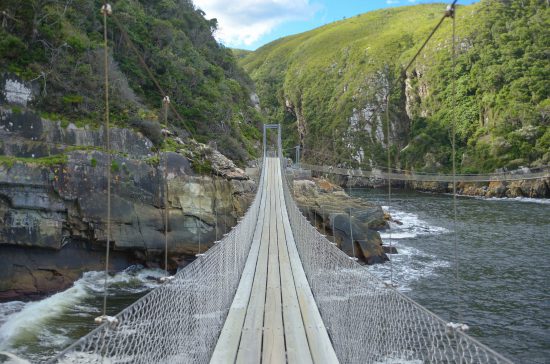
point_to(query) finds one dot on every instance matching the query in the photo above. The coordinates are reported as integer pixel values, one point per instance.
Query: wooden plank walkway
(273, 318)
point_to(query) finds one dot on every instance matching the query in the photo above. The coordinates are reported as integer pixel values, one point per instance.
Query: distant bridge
(543, 172)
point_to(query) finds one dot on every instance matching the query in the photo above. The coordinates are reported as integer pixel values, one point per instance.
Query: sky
(249, 24)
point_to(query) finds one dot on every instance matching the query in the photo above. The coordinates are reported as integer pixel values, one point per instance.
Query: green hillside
(59, 45)
(240, 53)
(329, 87)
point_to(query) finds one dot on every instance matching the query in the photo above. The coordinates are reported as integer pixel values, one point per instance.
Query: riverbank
(528, 188)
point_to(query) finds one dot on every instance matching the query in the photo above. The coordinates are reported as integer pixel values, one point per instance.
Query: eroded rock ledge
(535, 188)
(327, 206)
(53, 213)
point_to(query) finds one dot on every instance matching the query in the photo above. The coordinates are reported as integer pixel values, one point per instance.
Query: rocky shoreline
(530, 188)
(352, 224)
(53, 202)
(535, 188)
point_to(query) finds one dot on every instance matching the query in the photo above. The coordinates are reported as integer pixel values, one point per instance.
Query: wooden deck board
(317, 335)
(273, 350)
(250, 346)
(273, 318)
(295, 334)
(228, 342)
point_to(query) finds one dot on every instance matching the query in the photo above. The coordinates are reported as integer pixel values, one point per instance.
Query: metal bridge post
(265, 140)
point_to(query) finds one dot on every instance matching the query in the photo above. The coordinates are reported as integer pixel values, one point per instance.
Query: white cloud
(391, 2)
(243, 22)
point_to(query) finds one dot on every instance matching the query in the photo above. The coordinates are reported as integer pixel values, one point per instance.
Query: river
(504, 265)
(38, 330)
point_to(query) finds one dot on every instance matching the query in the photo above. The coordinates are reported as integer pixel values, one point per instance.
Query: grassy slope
(240, 53)
(325, 71)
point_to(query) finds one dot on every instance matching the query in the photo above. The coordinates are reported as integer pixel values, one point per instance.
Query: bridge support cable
(388, 147)
(106, 11)
(451, 12)
(165, 104)
(148, 71)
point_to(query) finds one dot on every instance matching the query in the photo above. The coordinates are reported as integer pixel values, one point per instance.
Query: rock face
(534, 188)
(53, 215)
(25, 134)
(352, 224)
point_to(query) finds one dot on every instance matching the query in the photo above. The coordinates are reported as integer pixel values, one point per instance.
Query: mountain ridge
(328, 87)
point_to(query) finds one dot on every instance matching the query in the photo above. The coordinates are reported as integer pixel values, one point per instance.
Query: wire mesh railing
(368, 320)
(180, 321)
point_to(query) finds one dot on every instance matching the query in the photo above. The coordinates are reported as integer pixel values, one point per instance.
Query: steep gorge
(330, 87)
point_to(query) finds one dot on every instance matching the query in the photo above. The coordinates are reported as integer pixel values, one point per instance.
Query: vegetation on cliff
(58, 43)
(329, 87)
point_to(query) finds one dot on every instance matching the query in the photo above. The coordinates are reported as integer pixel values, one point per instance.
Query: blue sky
(249, 24)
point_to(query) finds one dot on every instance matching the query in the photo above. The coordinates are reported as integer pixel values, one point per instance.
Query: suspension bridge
(275, 290)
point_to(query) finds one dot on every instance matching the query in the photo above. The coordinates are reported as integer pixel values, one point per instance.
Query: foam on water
(9, 308)
(35, 315)
(544, 201)
(42, 321)
(411, 226)
(411, 263)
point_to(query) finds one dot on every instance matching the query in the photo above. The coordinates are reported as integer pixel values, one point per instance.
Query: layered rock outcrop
(533, 188)
(351, 223)
(53, 194)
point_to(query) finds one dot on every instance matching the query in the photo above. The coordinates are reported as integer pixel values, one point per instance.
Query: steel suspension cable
(132, 46)
(106, 10)
(389, 176)
(166, 103)
(452, 14)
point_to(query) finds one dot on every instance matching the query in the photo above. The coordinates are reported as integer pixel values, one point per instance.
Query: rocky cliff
(53, 159)
(53, 197)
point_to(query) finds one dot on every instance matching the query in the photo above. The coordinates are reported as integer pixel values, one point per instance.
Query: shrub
(149, 129)
(115, 167)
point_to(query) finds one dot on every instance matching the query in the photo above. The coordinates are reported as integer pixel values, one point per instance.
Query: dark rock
(31, 273)
(43, 208)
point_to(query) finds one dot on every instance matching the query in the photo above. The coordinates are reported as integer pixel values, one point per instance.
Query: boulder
(496, 189)
(329, 209)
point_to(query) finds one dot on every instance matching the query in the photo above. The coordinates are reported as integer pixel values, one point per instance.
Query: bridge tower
(279, 143)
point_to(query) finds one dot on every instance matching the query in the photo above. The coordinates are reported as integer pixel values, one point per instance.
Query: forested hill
(59, 44)
(329, 87)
